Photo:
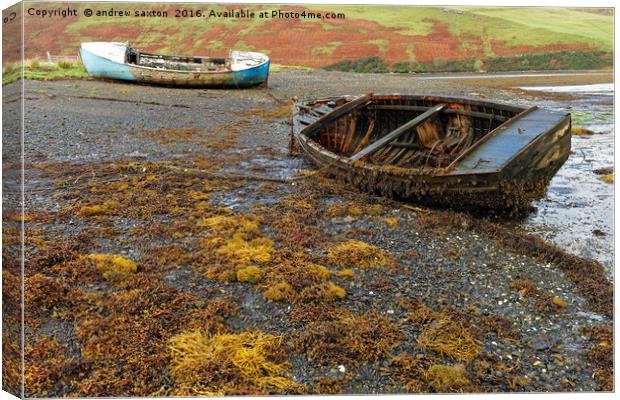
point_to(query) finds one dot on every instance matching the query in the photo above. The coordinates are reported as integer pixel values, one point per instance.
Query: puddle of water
(284, 168)
(248, 196)
(601, 89)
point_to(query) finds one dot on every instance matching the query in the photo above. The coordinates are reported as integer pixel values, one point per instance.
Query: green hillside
(413, 38)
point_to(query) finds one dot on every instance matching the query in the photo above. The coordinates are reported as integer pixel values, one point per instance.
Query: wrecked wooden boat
(454, 152)
(120, 61)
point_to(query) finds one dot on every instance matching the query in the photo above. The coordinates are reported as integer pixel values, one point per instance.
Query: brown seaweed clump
(609, 178)
(358, 254)
(328, 385)
(113, 267)
(601, 355)
(124, 335)
(40, 359)
(543, 301)
(450, 338)
(294, 277)
(238, 244)
(447, 378)
(353, 210)
(407, 372)
(227, 364)
(348, 339)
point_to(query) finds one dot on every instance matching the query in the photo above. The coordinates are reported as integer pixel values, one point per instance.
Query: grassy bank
(561, 60)
(423, 34)
(37, 70)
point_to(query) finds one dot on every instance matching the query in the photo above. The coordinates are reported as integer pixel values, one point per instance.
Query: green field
(416, 38)
(36, 70)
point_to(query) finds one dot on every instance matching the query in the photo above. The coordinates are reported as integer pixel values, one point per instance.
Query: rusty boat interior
(423, 146)
(177, 63)
(445, 128)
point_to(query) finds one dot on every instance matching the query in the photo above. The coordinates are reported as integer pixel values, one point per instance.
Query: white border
(521, 3)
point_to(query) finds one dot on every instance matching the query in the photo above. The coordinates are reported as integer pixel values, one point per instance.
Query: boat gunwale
(227, 71)
(304, 139)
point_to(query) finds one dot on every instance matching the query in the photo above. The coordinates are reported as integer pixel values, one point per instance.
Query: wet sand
(89, 142)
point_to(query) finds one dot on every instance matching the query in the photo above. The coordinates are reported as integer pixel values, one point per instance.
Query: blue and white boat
(113, 60)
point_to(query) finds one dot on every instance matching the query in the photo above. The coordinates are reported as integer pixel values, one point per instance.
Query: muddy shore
(140, 172)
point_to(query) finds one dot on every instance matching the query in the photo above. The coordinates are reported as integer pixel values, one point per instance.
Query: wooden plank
(447, 111)
(323, 110)
(398, 107)
(397, 132)
(340, 111)
(405, 145)
(306, 119)
(501, 145)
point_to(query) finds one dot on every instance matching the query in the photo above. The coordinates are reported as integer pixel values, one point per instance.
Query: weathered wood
(405, 145)
(305, 119)
(342, 110)
(323, 110)
(397, 132)
(446, 111)
(509, 150)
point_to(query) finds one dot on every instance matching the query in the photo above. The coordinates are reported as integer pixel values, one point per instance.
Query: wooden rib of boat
(120, 61)
(454, 152)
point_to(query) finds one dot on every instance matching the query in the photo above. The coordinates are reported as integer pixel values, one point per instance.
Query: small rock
(540, 344)
(558, 301)
(342, 369)
(604, 171)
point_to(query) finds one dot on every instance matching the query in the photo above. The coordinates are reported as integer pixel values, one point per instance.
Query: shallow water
(506, 75)
(577, 213)
(604, 89)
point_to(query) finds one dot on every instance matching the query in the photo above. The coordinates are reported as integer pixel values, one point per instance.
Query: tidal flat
(173, 246)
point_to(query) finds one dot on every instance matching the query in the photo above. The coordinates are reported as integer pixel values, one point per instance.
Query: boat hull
(101, 67)
(509, 189)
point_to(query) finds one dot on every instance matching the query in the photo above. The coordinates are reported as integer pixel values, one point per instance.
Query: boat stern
(105, 60)
(249, 68)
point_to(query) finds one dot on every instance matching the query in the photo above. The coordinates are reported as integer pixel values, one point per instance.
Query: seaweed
(391, 222)
(543, 302)
(113, 267)
(328, 385)
(609, 178)
(237, 243)
(250, 274)
(347, 274)
(407, 372)
(324, 292)
(44, 296)
(250, 362)
(354, 209)
(281, 291)
(450, 338)
(358, 254)
(125, 333)
(447, 378)
(110, 207)
(43, 362)
(345, 338)
(601, 355)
